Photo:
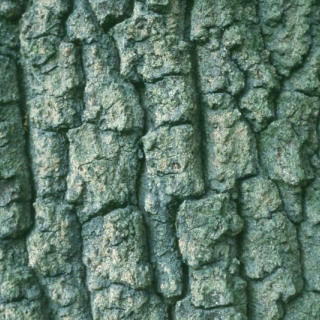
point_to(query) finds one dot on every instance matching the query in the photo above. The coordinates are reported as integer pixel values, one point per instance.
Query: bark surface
(159, 159)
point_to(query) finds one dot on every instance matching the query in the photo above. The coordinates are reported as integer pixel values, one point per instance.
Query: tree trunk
(159, 159)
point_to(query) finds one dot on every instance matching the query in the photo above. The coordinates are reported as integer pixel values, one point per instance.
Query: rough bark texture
(159, 159)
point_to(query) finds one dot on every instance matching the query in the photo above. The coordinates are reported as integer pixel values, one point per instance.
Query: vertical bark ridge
(20, 294)
(52, 84)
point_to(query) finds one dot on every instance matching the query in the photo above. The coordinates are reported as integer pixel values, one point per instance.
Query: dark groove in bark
(25, 124)
(81, 93)
(22, 103)
(139, 87)
(27, 151)
(200, 121)
(239, 249)
(171, 312)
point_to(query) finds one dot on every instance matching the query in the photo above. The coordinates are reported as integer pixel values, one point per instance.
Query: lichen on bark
(159, 159)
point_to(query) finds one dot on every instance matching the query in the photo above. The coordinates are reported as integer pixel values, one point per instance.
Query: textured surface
(159, 159)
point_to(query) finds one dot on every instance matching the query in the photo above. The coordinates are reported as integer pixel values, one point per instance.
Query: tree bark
(159, 159)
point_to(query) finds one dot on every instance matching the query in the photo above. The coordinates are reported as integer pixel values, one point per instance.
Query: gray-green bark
(159, 159)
